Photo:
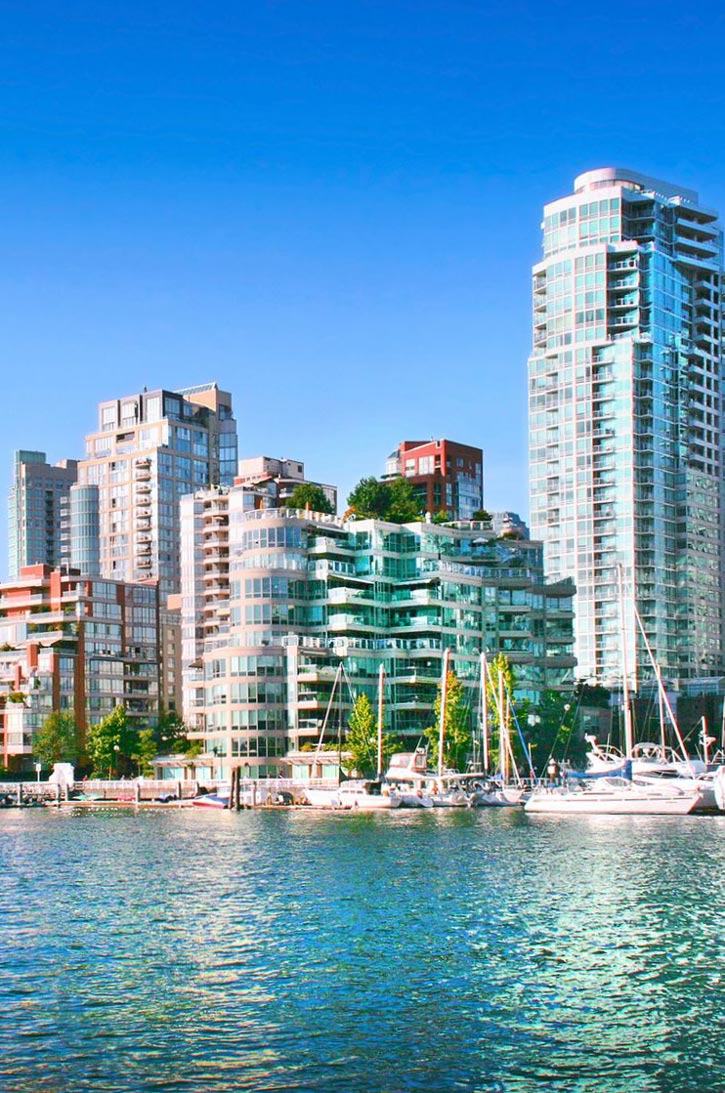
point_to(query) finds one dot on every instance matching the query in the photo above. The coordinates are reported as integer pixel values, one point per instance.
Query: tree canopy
(457, 736)
(309, 495)
(58, 740)
(362, 739)
(394, 501)
(110, 743)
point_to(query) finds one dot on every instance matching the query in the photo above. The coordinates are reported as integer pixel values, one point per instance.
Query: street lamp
(38, 768)
(116, 750)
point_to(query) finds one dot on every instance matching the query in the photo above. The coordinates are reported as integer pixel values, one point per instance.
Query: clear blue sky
(330, 208)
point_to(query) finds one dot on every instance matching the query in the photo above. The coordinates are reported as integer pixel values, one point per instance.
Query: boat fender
(268, 799)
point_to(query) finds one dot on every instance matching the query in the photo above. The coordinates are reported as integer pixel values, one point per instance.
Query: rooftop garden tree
(309, 496)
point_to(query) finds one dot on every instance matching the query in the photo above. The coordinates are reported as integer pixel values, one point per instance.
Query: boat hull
(592, 802)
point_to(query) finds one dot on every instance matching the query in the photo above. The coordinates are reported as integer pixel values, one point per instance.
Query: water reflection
(411, 951)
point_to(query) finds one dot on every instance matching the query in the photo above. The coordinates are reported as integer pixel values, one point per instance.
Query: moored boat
(613, 795)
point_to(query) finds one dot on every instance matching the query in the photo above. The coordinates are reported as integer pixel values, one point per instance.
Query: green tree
(403, 505)
(500, 685)
(171, 735)
(362, 739)
(457, 736)
(110, 743)
(553, 729)
(145, 750)
(58, 740)
(370, 498)
(308, 495)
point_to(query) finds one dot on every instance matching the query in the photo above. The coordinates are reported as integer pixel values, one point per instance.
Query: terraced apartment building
(274, 600)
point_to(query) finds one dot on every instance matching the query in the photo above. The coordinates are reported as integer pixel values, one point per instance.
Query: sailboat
(366, 794)
(420, 787)
(618, 791)
(655, 763)
(505, 789)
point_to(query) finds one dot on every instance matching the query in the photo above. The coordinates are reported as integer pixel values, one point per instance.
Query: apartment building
(286, 596)
(77, 644)
(37, 495)
(446, 476)
(625, 420)
(149, 451)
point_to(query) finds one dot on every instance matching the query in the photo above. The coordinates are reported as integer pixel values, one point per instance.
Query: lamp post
(116, 750)
(38, 768)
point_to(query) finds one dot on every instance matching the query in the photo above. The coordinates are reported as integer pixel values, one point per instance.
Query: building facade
(75, 644)
(151, 449)
(37, 496)
(283, 597)
(445, 476)
(625, 426)
(280, 477)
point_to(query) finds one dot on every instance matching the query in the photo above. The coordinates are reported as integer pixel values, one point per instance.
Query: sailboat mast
(628, 731)
(503, 742)
(442, 719)
(381, 685)
(484, 711)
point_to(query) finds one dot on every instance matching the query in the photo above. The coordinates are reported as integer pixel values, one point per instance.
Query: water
(291, 951)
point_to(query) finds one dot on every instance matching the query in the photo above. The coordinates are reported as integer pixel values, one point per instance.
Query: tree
(171, 734)
(394, 501)
(110, 742)
(457, 736)
(58, 740)
(362, 739)
(403, 505)
(309, 496)
(500, 685)
(370, 498)
(553, 729)
(145, 751)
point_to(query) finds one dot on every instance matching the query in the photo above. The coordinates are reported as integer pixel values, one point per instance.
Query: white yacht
(356, 793)
(614, 795)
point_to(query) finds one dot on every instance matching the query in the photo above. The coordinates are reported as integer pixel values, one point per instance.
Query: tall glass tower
(625, 389)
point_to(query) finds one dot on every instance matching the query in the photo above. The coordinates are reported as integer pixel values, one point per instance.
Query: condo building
(37, 496)
(280, 476)
(150, 449)
(76, 644)
(446, 476)
(274, 600)
(625, 421)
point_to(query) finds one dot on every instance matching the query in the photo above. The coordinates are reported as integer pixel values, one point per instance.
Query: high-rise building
(37, 495)
(625, 420)
(445, 475)
(75, 644)
(149, 451)
(274, 599)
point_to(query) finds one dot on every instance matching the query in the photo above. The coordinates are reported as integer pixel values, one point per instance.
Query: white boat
(491, 793)
(656, 765)
(356, 793)
(615, 796)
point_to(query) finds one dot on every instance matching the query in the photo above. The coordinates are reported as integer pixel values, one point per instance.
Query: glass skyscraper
(625, 420)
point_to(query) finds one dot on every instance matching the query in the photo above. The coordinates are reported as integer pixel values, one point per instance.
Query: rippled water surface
(475, 951)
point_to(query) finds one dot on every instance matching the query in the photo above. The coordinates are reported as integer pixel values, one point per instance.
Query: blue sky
(330, 208)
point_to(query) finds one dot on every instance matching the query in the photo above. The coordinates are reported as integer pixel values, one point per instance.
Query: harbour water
(292, 951)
